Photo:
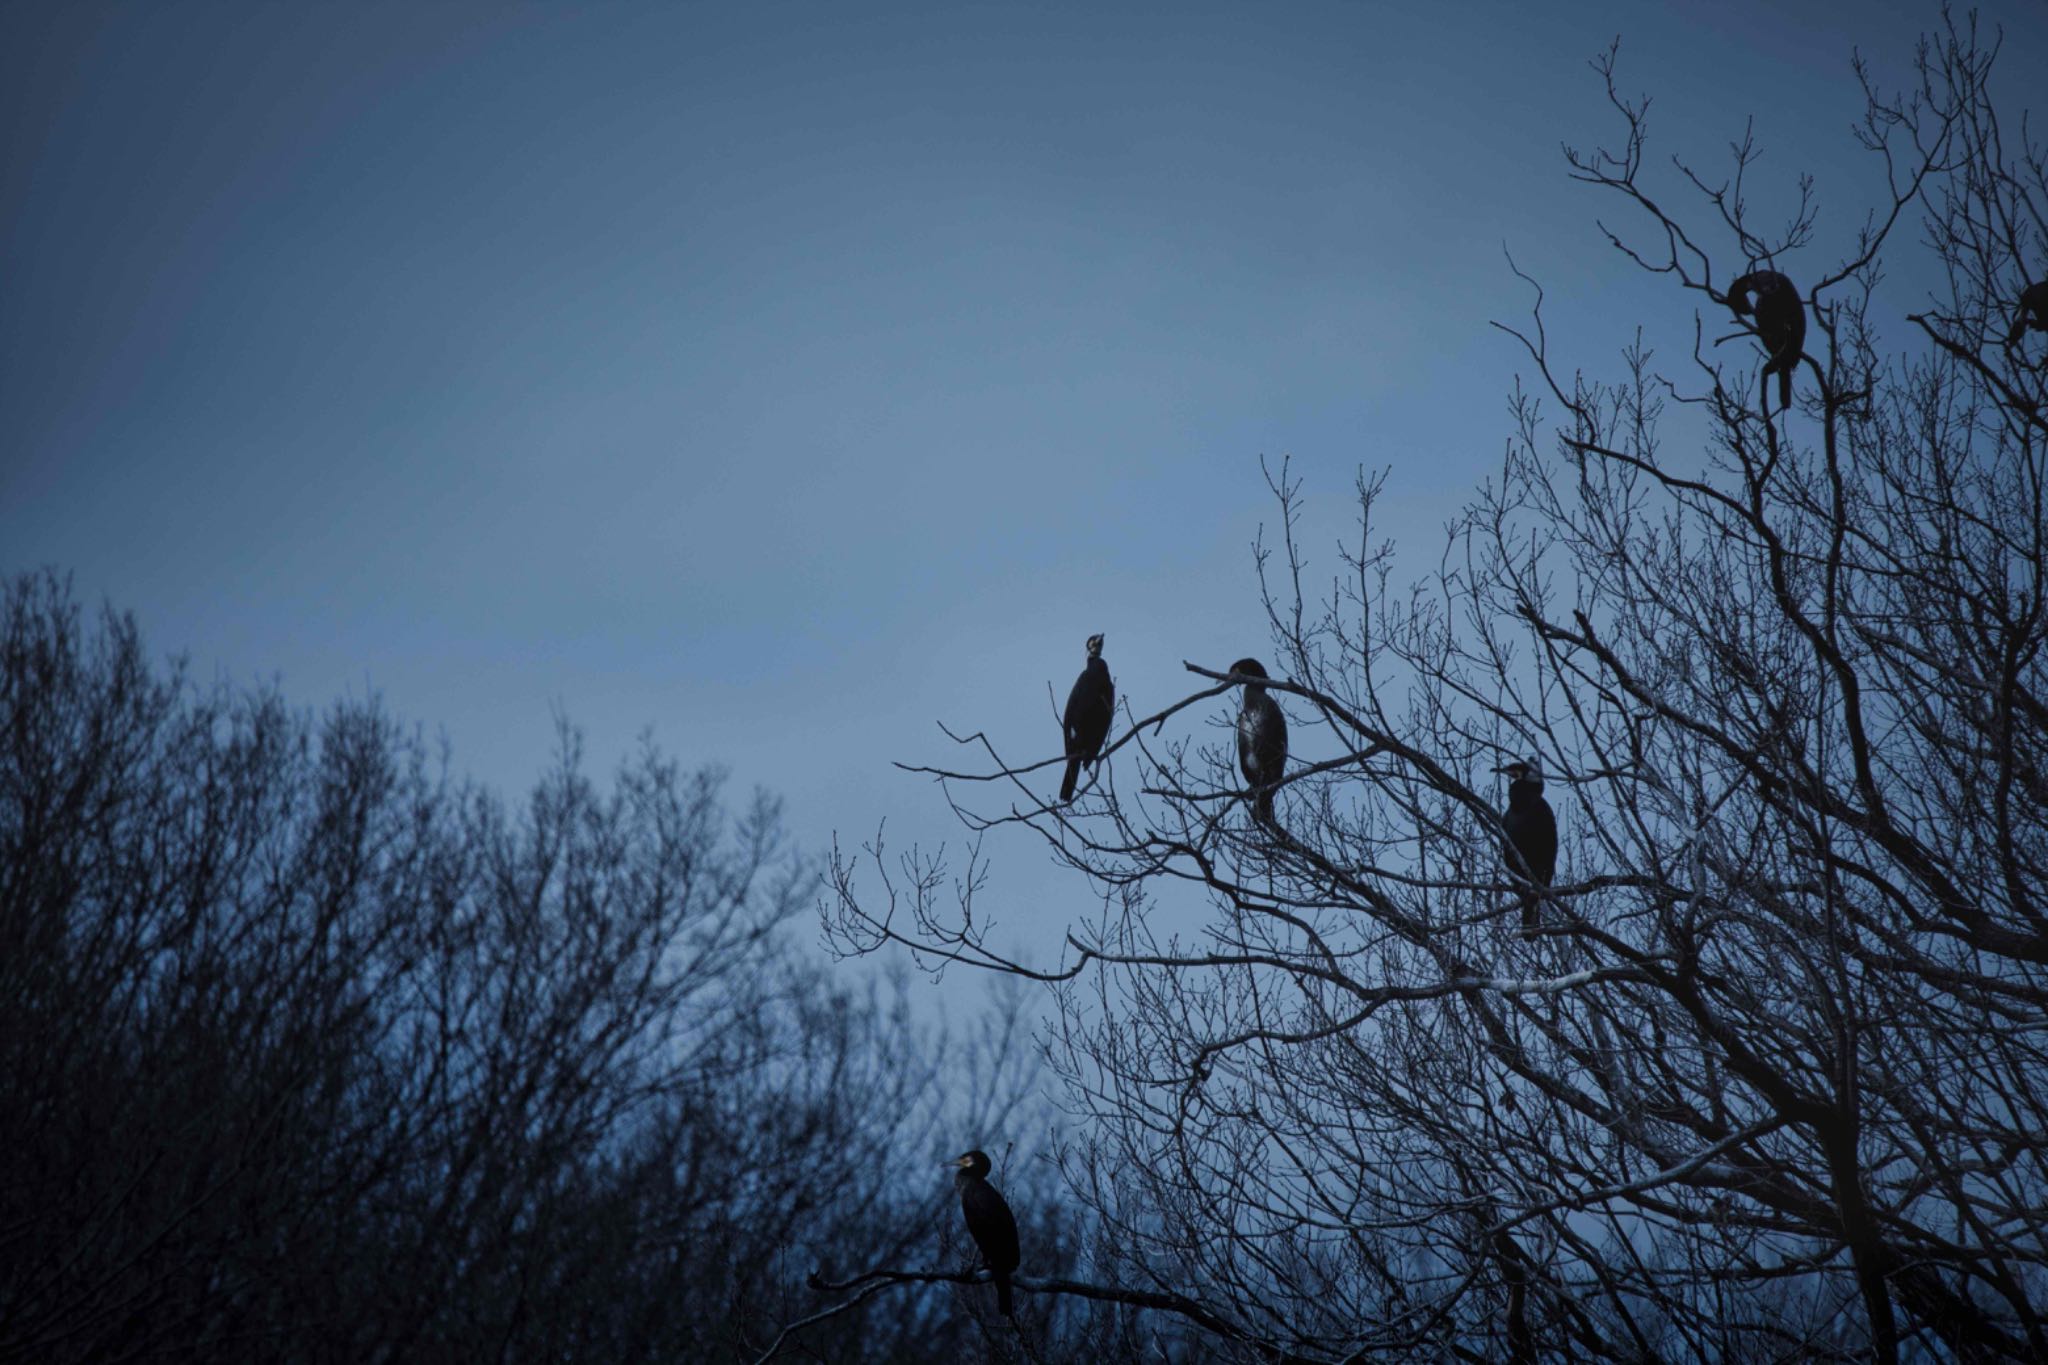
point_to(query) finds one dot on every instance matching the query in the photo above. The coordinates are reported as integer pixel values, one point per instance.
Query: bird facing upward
(1261, 739)
(1532, 833)
(1090, 708)
(1780, 323)
(989, 1222)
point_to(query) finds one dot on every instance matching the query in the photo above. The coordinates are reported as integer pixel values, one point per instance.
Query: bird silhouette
(1090, 707)
(1261, 739)
(1780, 323)
(989, 1222)
(1532, 833)
(2032, 312)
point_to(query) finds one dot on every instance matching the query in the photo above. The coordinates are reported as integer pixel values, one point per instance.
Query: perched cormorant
(1090, 707)
(1780, 323)
(1261, 739)
(1532, 833)
(989, 1222)
(2032, 312)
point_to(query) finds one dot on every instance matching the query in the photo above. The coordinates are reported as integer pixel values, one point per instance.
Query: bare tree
(308, 1052)
(1769, 1080)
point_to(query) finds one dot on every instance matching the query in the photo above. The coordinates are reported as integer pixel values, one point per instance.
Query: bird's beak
(958, 1162)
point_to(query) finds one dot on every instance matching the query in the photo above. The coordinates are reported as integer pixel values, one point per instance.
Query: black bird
(1532, 833)
(2032, 312)
(1261, 739)
(989, 1222)
(1780, 323)
(1090, 707)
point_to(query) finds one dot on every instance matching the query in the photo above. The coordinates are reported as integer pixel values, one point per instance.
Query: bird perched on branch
(1780, 324)
(989, 1222)
(1261, 739)
(1090, 708)
(1532, 833)
(2032, 312)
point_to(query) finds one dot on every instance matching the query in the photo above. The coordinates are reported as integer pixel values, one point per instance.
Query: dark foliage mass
(1767, 1075)
(309, 1053)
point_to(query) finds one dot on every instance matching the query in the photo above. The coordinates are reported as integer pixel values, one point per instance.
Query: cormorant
(1780, 323)
(1090, 707)
(2032, 312)
(989, 1222)
(1261, 739)
(1532, 833)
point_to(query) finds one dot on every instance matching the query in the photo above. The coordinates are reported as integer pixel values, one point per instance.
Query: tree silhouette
(1769, 1080)
(308, 1052)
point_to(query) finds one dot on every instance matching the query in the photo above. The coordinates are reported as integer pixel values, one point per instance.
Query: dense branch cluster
(308, 1052)
(1769, 1077)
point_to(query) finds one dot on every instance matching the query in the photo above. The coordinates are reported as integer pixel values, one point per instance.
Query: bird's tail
(1073, 776)
(1003, 1295)
(1785, 384)
(1262, 805)
(1532, 915)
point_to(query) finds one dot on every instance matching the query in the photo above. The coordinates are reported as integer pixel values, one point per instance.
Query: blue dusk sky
(784, 379)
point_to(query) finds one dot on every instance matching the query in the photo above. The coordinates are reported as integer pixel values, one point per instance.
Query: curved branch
(1205, 1318)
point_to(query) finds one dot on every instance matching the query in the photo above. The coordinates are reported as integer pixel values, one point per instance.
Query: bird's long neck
(1524, 792)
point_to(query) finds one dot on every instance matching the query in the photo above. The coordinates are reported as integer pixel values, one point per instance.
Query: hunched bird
(1780, 323)
(989, 1222)
(1261, 739)
(1090, 708)
(1532, 833)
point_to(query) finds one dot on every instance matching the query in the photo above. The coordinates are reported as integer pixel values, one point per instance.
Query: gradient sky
(786, 378)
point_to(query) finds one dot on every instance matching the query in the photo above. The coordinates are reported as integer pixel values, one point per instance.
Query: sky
(783, 380)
